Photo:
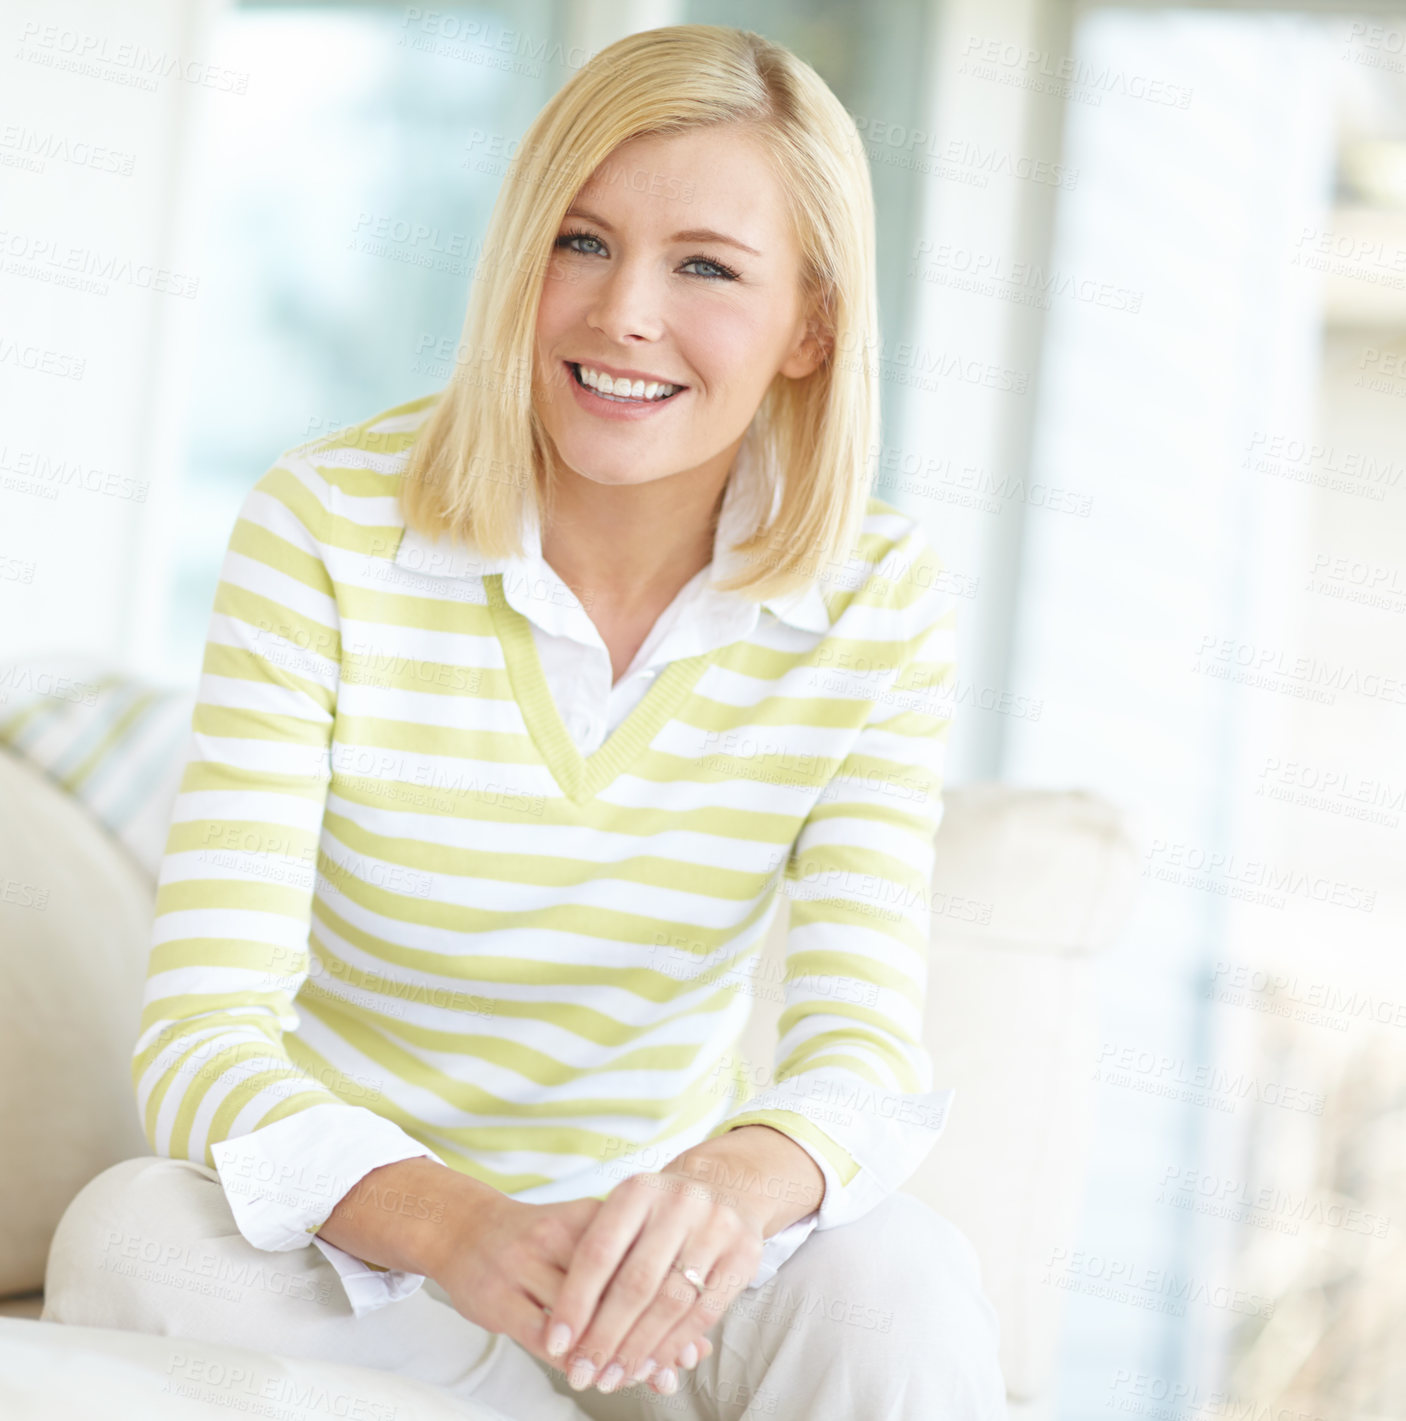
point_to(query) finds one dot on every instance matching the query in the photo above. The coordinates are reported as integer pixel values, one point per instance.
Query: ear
(810, 349)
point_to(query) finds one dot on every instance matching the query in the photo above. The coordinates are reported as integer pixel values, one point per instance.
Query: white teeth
(623, 389)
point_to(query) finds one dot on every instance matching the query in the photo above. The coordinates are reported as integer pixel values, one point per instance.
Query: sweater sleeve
(851, 1076)
(214, 1081)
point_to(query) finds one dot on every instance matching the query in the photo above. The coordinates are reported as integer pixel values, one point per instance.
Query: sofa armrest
(1051, 871)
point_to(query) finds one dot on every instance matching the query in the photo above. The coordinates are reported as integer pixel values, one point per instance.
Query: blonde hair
(482, 449)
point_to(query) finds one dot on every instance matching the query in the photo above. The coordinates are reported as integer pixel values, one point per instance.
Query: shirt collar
(533, 586)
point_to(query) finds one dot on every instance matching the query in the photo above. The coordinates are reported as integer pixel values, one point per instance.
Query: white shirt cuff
(284, 1180)
(780, 1246)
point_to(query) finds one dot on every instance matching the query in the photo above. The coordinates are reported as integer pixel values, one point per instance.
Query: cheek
(732, 349)
(556, 310)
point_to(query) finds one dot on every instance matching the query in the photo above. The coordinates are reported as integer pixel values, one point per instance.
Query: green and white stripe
(392, 881)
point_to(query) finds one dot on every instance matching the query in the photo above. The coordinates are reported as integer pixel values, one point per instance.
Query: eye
(719, 273)
(567, 238)
(727, 273)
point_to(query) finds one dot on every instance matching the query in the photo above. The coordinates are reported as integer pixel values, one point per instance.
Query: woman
(519, 702)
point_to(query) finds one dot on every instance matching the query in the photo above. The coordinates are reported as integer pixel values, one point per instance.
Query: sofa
(1029, 886)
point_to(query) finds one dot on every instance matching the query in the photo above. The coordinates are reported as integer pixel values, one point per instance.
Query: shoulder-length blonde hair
(482, 449)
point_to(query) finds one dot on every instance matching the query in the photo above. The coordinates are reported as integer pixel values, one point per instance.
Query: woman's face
(660, 285)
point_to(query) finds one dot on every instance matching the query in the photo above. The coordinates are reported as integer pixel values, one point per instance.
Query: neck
(619, 546)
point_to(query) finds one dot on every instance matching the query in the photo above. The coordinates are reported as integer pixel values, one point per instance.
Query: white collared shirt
(573, 654)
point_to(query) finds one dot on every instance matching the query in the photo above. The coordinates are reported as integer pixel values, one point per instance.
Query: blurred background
(1143, 292)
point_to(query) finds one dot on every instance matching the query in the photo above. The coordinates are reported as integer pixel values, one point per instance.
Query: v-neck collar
(582, 777)
(509, 586)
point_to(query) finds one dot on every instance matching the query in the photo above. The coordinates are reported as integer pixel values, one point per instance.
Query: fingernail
(581, 1373)
(689, 1356)
(667, 1381)
(610, 1378)
(644, 1369)
(558, 1339)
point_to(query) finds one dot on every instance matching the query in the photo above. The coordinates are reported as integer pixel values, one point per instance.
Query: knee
(112, 1233)
(907, 1281)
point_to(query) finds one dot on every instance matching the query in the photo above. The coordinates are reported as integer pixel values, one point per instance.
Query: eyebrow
(693, 234)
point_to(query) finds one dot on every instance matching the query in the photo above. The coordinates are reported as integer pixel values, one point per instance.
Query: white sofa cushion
(75, 919)
(55, 1372)
(1035, 870)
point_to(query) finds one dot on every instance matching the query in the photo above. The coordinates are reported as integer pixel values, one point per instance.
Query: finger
(729, 1276)
(646, 1348)
(595, 1258)
(540, 1281)
(678, 1363)
(643, 1300)
(526, 1323)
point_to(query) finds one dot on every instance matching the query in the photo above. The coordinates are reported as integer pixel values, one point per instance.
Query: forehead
(717, 177)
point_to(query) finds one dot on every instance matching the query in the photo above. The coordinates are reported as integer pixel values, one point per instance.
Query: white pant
(879, 1320)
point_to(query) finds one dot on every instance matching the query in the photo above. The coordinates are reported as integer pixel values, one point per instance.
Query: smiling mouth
(620, 399)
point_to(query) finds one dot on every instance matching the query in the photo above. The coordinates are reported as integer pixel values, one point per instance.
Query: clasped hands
(590, 1286)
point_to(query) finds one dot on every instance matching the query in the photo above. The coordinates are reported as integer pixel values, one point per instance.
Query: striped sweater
(400, 913)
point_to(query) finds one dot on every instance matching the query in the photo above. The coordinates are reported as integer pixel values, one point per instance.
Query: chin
(606, 471)
(612, 466)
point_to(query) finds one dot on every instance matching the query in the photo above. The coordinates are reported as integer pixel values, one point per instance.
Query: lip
(596, 404)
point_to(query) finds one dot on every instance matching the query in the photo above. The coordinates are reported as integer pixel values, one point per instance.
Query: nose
(627, 304)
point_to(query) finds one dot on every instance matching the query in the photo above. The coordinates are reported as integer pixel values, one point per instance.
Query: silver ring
(693, 1276)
